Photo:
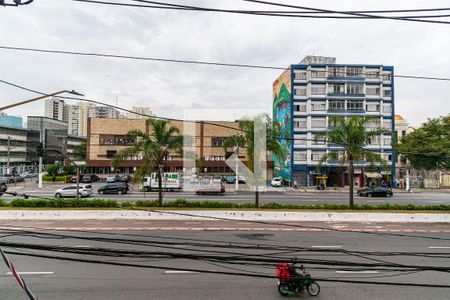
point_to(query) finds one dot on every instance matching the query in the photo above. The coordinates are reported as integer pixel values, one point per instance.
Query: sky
(169, 89)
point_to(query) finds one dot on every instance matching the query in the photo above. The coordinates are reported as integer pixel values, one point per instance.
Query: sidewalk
(221, 215)
(346, 190)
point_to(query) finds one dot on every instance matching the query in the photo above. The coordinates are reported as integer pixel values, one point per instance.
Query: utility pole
(8, 159)
(236, 151)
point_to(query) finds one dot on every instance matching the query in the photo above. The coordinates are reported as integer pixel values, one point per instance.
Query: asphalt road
(58, 279)
(276, 195)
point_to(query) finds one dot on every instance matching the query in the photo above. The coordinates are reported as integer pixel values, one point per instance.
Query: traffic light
(40, 150)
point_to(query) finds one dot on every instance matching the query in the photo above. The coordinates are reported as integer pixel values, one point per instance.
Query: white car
(276, 181)
(84, 190)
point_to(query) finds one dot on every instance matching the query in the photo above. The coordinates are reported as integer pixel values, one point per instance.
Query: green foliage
(62, 178)
(428, 147)
(63, 203)
(53, 170)
(3, 203)
(163, 141)
(126, 204)
(80, 151)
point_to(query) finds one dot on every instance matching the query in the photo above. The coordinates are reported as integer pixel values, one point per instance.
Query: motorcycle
(293, 280)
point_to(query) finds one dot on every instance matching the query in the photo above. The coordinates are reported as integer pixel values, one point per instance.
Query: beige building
(106, 137)
(140, 110)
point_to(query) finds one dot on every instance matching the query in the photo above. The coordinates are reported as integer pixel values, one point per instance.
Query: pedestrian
(401, 184)
(295, 183)
(53, 178)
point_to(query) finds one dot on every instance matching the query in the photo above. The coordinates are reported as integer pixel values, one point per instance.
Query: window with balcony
(317, 155)
(373, 107)
(387, 140)
(301, 107)
(372, 75)
(300, 75)
(387, 124)
(373, 90)
(300, 140)
(336, 88)
(317, 74)
(300, 155)
(336, 105)
(320, 141)
(336, 72)
(318, 89)
(300, 124)
(387, 108)
(373, 124)
(386, 76)
(300, 91)
(387, 93)
(318, 123)
(355, 105)
(355, 88)
(354, 72)
(375, 141)
(318, 106)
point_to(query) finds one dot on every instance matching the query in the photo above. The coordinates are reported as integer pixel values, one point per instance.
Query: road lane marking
(357, 272)
(327, 246)
(192, 223)
(179, 272)
(375, 201)
(31, 273)
(82, 246)
(439, 247)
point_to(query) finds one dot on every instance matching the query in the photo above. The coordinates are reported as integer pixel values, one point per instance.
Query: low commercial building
(106, 137)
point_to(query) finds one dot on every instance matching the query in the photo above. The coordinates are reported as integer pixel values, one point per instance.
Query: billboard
(282, 115)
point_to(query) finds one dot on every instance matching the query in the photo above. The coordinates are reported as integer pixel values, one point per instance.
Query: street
(278, 195)
(210, 241)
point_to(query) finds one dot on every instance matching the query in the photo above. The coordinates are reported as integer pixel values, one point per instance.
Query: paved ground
(280, 196)
(321, 252)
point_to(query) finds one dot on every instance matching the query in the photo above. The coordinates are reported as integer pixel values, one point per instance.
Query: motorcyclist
(297, 276)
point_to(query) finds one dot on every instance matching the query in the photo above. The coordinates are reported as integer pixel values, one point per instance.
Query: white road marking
(179, 272)
(357, 272)
(375, 201)
(439, 247)
(327, 246)
(82, 246)
(31, 273)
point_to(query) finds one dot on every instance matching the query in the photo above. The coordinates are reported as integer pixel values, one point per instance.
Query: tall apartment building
(308, 94)
(104, 112)
(140, 110)
(56, 109)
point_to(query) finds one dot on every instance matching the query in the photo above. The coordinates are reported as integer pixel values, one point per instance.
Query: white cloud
(168, 88)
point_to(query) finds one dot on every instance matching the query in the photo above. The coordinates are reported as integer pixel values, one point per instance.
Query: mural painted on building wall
(282, 115)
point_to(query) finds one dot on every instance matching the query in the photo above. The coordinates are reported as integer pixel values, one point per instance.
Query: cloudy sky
(169, 88)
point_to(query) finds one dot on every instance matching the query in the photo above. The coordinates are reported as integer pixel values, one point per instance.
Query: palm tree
(247, 126)
(155, 147)
(351, 134)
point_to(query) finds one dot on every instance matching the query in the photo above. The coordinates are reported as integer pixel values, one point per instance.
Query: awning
(372, 175)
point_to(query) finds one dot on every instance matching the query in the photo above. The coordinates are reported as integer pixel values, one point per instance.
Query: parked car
(8, 178)
(73, 179)
(276, 182)
(207, 187)
(112, 179)
(379, 191)
(125, 178)
(241, 179)
(3, 187)
(114, 188)
(230, 179)
(217, 179)
(84, 190)
(90, 178)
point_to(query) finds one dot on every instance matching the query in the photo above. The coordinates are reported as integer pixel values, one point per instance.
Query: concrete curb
(271, 216)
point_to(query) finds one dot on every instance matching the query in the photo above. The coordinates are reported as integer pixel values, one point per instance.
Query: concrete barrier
(271, 216)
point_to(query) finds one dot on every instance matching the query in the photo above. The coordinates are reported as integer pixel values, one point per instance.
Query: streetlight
(16, 3)
(72, 92)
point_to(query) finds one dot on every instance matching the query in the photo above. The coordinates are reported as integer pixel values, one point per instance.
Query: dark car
(114, 188)
(379, 191)
(90, 178)
(3, 187)
(125, 178)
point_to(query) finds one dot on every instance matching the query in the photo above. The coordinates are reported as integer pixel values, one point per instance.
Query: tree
(80, 151)
(247, 140)
(154, 148)
(351, 134)
(428, 147)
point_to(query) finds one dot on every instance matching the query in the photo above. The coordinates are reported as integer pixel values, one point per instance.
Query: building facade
(104, 112)
(106, 137)
(139, 112)
(11, 121)
(308, 94)
(56, 109)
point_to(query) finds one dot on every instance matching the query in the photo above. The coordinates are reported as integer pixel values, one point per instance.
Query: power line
(291, 14)
(195, 62)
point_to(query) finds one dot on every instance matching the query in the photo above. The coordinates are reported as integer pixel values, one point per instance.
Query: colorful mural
(282, 115)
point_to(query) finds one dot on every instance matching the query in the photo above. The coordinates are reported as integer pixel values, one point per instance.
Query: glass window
(317, 73)
(355, 88)
(300, 75)
(217, 141)
(300, 155)
(318, 123)
(300, 139)
(373, 90)
(336, 105)
(355, 105)
(336, 72)
(318, 106)
(373, 107)
(387, 93)
(336, 88)
(317, 155)
(354, 72)
(386, 77)
(387, 140)
(301, 107)
(318, 89)
(300, 124)
(320, 141)
(387, 124)
(372, 74)
(300, 91)
(387, 108)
